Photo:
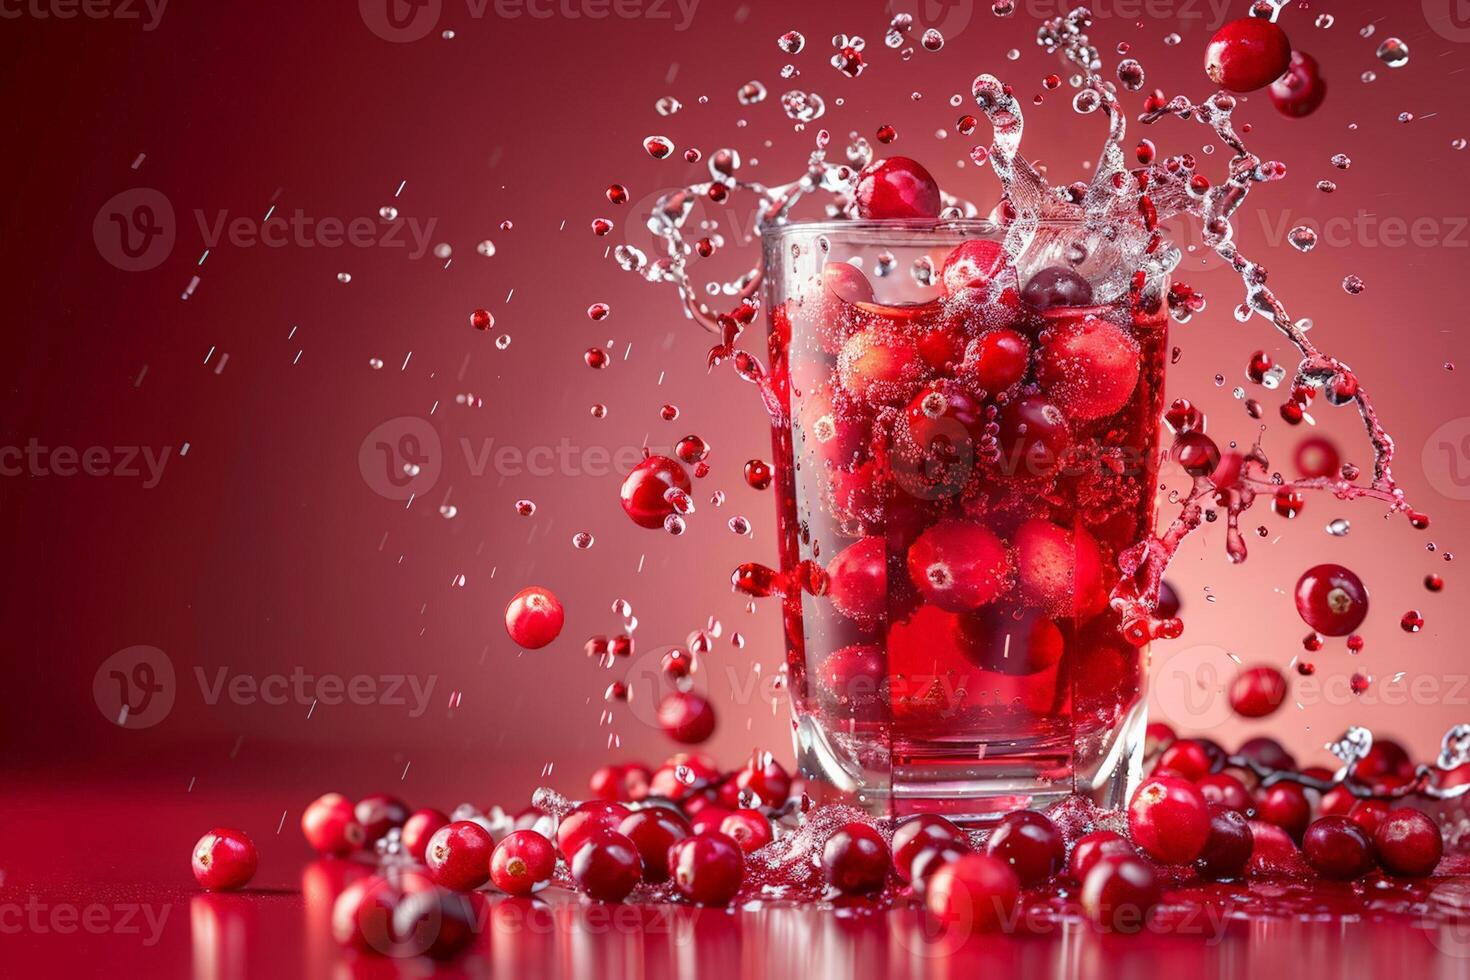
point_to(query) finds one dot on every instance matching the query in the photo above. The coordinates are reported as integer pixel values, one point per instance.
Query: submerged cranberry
(942, 420)
(976, 892)
(1010, 643)
(1257, 692)
(686, 717)
(1169, 819)
(607, 866)
(1089, 368)
(896, 187)
(1119, 893)
(1336, 847)
(853, 682)
(959, 565)
(653, 830)
(1056, 286)
(1247, 54)
(1060, 569)
(646, 489)
(1408, 843)
(1229, 845)
(996, 360)
(1186, 758)
(857, 579)
(1301, 90)
(920, 833)
(1286, 806)
(1030, 844)
(1033, 435)
(585, 820)
(533, 618)
(458, 855)
(521, 861)
(224, 859)
(1092, 848)
(855, 859)
(707, 868)
(1331, 599)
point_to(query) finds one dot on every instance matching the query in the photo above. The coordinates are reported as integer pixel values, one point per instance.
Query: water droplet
(388, 212)
(751, 93)
(1302, 238)
(1339, 528)
(667, 106)
(486, 248)
(344, 277)
(791, 42)
(1394, 53)
(525, 507)
(1354, 285)
(1341, 161)
(582, 540)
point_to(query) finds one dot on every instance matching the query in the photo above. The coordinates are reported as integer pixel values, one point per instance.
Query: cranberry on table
(1226, 790)
(1336, 847)
(1169, 819)
(707, 869)
(1408, 843)
(896, 187)
(653, 830)
(379, 813)
(1301, 90)
(1089, 368)
(1331, 599)
(996, 361)
(645, 492)
(1030, 843)
(458, 855)
(585, 820)
(1247, 54)
(1337, 802)
(418, 828)
(976, 892)
(623, 783)
(435, 922)
(1056, 286)
(686, 717)
(959, 565)
(1187, 758)
(330, 826)
(1257, 692)
(1368, 814)
(919, 833)
(1092, 848)
(855, 859)
(1119, 893)
(748, 828)
(607, 866)
(1386, 764)
(1273, 852)
(224, 859)
(1158, 737)
(534, 617)
(521, 861)
(1266, 751)
(707, 819)
(1285, 805)
(1228, 847)
(763, 782)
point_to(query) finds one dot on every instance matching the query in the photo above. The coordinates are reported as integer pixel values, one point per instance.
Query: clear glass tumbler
(971, 443)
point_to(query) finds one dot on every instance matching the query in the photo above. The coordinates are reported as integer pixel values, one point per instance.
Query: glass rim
(933, 226)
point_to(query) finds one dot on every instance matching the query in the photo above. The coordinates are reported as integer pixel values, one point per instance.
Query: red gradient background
(265, 549)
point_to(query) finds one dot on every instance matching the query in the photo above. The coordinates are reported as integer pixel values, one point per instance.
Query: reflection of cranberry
(1118, 894)
(645, 490)
(896, 188)
(959, 565)
(1247, 54)
(1229, 844)
(1169, 819)
(1056, 286)
(996, 360)
(1331, 599)
(1090, 368)
(1336, 847)
(1033, 435)
(1301, 90)
(1030, 844)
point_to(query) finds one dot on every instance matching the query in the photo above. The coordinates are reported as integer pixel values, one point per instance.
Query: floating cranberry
(646, 490)
(1317, 457)
(1056, 286)
(878, 368)
(1268, 752)
(1089, 368)
(1030, 844)
(1331, 599)
(973, 265)
(607, 866)
(653, 830)
(224, 860)
(959, 565)
(919, 833)
(1187, 758)
(1286, 806)
(1301, 90)
(996, 360)
(585, 820)
(1197, 454)
(1060, 569)
(331, 827)
(482, 320)
(1119, 893)
(1247, 54)
(1169, 819)
(976, 892)
(1092, 848)
(855, 859)
(1336, 847)
(534, 617)
(748, 828)
(458, 855)
(418, 828)
(1033, 435)
(707, 869)
(896, 187)
(1229, 845)
(1257, 692)
(1224, 789)
(686, 717)
(521, 861)
(435, 922)
(1015, 643)
(857, 580)
(1408, 843)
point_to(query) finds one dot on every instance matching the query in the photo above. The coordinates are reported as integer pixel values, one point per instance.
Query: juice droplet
(1412, 621)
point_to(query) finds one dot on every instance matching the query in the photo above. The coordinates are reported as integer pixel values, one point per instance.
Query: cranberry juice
(971, 441)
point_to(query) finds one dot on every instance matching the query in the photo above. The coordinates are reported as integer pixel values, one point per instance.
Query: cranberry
(878, 368)
(1247, 54)
(1273, 852)
(224, 859)
(1408, 843)
(766, 782)
(418, 828)
(362, 915)
(708, 819)
(1056, 286)
(1337, 802)
(458, 855)
(1169, 819)
(1301, 90)
(1030, 844)
(847, 283)
(1225, 790)
(680, 775)
(587, 819)
(833, 429)
(1158, 737)
(973, 265)
(534, 617)
(1015, 643)
(853, 681)
(941, 348)
(748, 828)
(1267, 752)
(653, 830)
(896, 188)
(646, 490)
(521, 861)
(623, 783)
(929, 860)
(855, 859)
(857, 580)
(1033, 435)
(607, 866)
(1286, 806)
(379, 813)
(707, 869)
(1168, 605)
(1118, 894)
(1061, 569)
(1386, 765)
(1092, 848)
(1187, 758)
(1336, 847)
(1331, 599)
(331, 827)
(996, 360)
(1090, 368)
(1317, 456)
(686, 717)
(959, 565)
(1257, 692)
(919, 833)
(436, 923)
(1228, 846)
(1368, 814)
(976, 892)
